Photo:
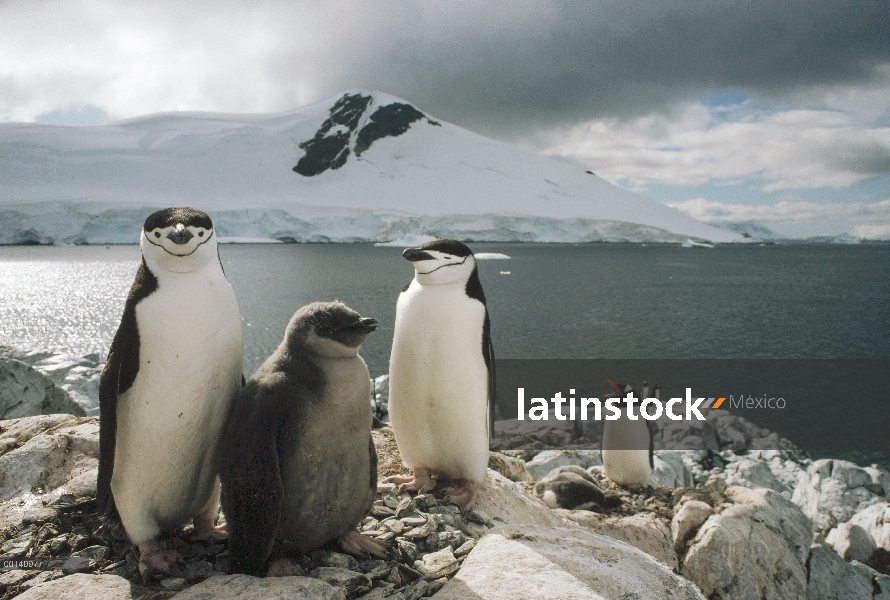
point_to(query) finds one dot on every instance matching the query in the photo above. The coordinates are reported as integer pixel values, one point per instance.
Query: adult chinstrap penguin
(298, 462)
(168, 386)
(627, 444)
(441, 373)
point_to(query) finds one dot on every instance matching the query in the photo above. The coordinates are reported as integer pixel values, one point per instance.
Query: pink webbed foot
(463, 495)
(155, 557)
(420, 481)
(283, 567)
(207, 531)
(358, 545)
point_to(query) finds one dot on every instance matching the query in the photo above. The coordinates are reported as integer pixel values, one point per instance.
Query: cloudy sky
(770, 111)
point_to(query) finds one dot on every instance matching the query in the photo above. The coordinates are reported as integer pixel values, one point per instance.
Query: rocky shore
(731, 521)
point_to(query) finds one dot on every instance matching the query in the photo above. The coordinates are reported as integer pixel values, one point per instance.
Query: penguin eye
(200, 234)
(157, 234)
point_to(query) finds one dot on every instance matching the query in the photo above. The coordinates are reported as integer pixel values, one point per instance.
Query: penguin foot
(206, 531)
(283, 567)
(358, 545)
(420, 481)
(463, 495)
(155, 557)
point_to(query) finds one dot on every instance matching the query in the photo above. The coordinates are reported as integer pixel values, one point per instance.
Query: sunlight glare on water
(64, 305)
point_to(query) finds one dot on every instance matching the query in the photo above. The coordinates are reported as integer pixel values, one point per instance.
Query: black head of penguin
(328, 328)
(178, 239)
(442, 261)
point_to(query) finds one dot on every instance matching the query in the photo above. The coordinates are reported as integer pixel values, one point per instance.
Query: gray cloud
(500, 68)
(515, 65)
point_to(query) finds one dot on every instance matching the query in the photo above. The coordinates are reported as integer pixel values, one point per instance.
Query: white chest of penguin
(439, 324)
(187, 326)
(190, 363)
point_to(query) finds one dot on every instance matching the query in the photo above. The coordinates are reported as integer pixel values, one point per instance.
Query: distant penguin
(627, 445)
(168, 386)
(572, 487)
(441, 374)
(297, 462)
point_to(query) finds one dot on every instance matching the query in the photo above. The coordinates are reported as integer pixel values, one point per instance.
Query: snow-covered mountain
(365, 166)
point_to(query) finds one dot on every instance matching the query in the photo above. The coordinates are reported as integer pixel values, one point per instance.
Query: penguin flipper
(373, 451)
(117, 377)
(651, 427)
(108, 393)
(252, 498)
(488, 355)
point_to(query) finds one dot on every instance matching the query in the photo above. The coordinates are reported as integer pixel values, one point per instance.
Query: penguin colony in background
(628, 446)
(441, 372)
(167, 388)
(293, 445)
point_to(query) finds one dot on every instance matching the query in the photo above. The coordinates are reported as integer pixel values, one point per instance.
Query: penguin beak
(617, 389)
(416, 254)
(180, 235)
(363, 326)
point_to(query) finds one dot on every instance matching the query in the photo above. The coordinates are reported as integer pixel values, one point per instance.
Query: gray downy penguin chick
(441, 375)
(572, 487)
(298, 462)
(168, 386)
(627, 445)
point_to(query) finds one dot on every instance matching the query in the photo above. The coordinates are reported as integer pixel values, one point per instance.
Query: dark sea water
(612, 301)
(558, 301)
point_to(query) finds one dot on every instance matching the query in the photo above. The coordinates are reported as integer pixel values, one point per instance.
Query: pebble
(173, 584)
(352, 582)
(198, 571)
(382, 511)
(424, 501)
(375, 569)
(465, 548)
(437, 564)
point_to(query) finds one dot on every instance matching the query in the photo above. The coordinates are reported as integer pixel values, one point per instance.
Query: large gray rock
(512, 468)
(51, 459)
(876, 521)
(753, 473)
(851, 542)
(754, 549)
(880, 480)
(687, 435)
(546, 461)
(80, 586)
(830, 578)
(77, 375)
(671, 470)
(691, 515)
(25, 391)
(245, 587)
(542, 563)
(15, 432)
(46, 457)
(832, 491)
(507, 503)
(643, 531)
(512, 433)
(787, 466)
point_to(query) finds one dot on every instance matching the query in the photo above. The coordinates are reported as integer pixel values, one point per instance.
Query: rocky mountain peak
(340, 134)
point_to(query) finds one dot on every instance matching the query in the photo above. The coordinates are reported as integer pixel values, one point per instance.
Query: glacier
(361, 167)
